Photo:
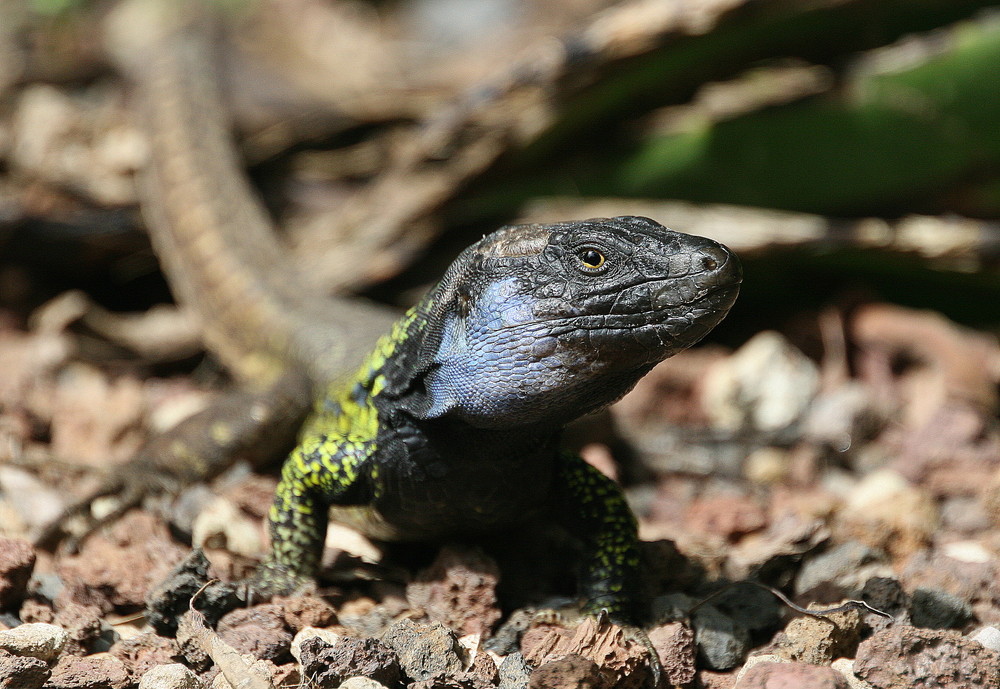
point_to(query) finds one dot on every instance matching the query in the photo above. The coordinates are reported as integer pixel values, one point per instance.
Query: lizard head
(544, 323)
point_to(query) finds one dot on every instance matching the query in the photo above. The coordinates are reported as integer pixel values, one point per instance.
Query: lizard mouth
(668, 301)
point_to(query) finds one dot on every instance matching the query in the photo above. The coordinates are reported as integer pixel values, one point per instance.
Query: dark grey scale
(330, 407)
(359, 394)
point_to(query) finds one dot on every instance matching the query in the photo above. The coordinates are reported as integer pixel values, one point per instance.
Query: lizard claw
(639, 636)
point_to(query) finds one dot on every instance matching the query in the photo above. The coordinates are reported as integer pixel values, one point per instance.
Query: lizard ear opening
(463, 301)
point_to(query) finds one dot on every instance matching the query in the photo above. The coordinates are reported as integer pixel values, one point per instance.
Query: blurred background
(848, 150)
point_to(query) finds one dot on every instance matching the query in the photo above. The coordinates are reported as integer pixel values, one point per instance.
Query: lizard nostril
(713, 258)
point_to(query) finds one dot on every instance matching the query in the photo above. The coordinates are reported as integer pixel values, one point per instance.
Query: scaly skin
(452, 425)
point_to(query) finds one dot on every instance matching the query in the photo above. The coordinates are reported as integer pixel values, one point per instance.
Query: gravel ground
(877, 481)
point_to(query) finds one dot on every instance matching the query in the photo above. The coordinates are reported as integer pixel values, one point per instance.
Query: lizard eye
(592, 260)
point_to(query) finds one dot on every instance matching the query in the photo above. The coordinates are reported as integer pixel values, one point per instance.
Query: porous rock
(17, 561)
(424, 650)
(330, 636)
(143, 652)
(22, 672)
(791, 676)
(328, 665)
(100, 671)
(86, 627)
(169, 601)
(258, 630)
(514, 672)
(482, 674)
(818, 640)
(903, 657)
(569, 672)
(305, 611)
(459, 590)
(622, 660)
(675, 646)
(117, 568)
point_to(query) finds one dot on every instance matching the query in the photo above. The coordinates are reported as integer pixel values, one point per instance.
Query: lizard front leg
(592, 508)
(322, 471)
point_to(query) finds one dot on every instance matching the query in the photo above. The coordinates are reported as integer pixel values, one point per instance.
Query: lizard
(451, 425)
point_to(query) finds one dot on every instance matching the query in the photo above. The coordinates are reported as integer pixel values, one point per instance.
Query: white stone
(173, 676)
(36, 640)
(767, 384)
(988, 637)
(885, 497)
(352, 542)
(967, 551)
(326, 635)
(845, 666)
(361, 683)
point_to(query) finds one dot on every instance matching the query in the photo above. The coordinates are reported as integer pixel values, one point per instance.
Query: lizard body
(452, 424)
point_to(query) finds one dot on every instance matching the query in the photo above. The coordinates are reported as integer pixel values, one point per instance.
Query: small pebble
(361, 683)
(172, 676)
(988, 637)
(425, 650)
(937, 609)
(329, 636)
(722, 643)
(38, 640)
(845, 666)
(514, 672)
